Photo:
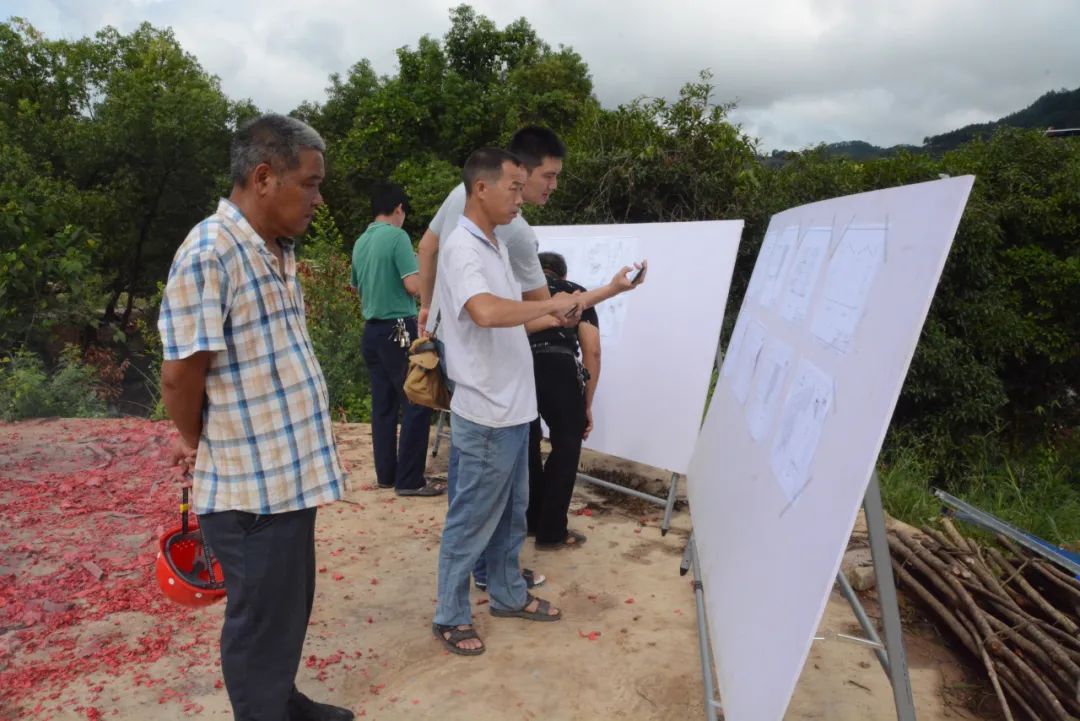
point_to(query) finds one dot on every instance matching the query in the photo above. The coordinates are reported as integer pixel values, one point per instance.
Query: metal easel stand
(442, 430)
(668, 503)
(690, 560)
(891, 653)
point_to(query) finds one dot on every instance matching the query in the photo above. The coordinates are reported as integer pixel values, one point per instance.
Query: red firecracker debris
(85, 502)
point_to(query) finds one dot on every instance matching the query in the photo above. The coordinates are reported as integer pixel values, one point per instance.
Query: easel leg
(703, 630)
(890, 609)
(439, 423)
(670, 506)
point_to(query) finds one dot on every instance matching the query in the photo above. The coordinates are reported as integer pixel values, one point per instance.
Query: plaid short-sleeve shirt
(267, 444)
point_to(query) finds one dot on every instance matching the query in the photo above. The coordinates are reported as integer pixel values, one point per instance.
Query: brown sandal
(457, 635)
(540, 614)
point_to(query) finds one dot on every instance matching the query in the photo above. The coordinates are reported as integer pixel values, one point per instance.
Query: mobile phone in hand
(639, 275)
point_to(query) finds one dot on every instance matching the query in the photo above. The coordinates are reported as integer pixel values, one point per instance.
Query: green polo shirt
(381, 257)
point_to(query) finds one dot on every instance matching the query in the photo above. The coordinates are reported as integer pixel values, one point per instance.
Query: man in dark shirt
(564, 391)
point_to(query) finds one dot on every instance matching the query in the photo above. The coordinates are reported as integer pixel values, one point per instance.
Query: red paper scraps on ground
(82, 519)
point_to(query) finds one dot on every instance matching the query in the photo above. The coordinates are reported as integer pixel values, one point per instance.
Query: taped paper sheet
(801, 422)
(745, 359)
(776, 262)
(769, 380)
(593, 264)
(805, 271)
(853, 269)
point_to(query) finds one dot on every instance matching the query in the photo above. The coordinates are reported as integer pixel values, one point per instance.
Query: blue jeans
(486, 518)
(479, 571)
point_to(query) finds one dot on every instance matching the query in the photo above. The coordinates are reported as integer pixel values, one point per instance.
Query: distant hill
(1056, 109)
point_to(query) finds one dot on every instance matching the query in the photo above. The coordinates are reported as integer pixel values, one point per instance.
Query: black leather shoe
(301, 708)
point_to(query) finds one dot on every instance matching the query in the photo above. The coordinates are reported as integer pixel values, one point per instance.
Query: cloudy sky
(802, 71)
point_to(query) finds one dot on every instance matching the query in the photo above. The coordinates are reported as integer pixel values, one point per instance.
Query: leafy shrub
(28, 391)
(334, 320)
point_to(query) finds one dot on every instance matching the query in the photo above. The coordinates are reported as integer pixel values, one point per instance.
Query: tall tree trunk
(110, 308)
(144, 234)
(127, 307)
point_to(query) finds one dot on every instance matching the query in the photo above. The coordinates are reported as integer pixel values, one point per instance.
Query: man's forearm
(544, 322)
(596, 296)
(490, 311)
(427, 254)
(592, 364)
(183, 389)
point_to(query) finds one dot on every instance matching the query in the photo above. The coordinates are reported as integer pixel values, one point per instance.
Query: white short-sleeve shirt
(517, 237)
(491, 367)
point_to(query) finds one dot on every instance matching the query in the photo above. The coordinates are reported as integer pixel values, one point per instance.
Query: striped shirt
(267, 443)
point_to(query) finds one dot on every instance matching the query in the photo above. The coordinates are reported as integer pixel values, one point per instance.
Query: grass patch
(1037, 490)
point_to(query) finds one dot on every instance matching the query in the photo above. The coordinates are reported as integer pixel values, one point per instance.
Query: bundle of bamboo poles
(1017, 614)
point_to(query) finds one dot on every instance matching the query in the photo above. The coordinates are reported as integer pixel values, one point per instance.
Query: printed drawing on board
(853, 268)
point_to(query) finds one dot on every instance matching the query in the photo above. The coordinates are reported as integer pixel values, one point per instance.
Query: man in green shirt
(386, 274)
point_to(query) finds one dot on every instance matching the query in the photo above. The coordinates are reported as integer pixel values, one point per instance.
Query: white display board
(658, 342)
(819, 353)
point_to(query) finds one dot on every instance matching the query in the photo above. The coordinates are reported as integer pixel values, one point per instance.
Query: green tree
(449, 97)
(48, 265)
(156, 152)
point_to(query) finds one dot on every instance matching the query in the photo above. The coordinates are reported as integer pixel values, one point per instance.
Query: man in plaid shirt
(242, 384)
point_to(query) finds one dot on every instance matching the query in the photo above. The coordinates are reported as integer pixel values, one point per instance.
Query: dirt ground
(98, 641)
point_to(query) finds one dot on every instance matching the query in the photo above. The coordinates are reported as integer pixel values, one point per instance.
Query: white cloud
(803, 71)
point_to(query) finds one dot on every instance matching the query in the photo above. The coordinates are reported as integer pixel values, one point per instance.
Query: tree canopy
(112, 147)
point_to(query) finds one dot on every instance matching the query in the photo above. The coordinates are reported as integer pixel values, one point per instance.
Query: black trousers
(398, 462)
(269, 568)
(551, 484)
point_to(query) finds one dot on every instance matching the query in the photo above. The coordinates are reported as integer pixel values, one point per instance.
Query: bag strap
(435, 328)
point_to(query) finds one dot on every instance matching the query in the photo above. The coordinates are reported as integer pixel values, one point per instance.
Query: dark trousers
(551, 484)
(398, 463)
(269, 568)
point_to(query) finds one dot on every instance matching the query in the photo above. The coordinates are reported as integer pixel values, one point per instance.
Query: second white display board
(658, 341)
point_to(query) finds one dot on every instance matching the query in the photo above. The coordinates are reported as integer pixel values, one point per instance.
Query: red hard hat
(186, 570)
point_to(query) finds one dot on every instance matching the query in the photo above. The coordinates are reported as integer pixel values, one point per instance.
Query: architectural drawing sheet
(776, 263)
(658, 341)
(852, 270)
(593, 265)
(801, 422)
(804, 274)
(765, 398)
(744, 358)
(823, 341)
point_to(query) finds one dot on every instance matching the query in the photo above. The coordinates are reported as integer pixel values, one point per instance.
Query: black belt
(553, 348)
(377, 321)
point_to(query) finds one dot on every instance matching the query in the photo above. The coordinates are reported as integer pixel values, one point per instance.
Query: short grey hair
(273, 139)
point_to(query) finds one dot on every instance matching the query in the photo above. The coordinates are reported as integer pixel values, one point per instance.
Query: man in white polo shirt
(542, 153)
(489, 361)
